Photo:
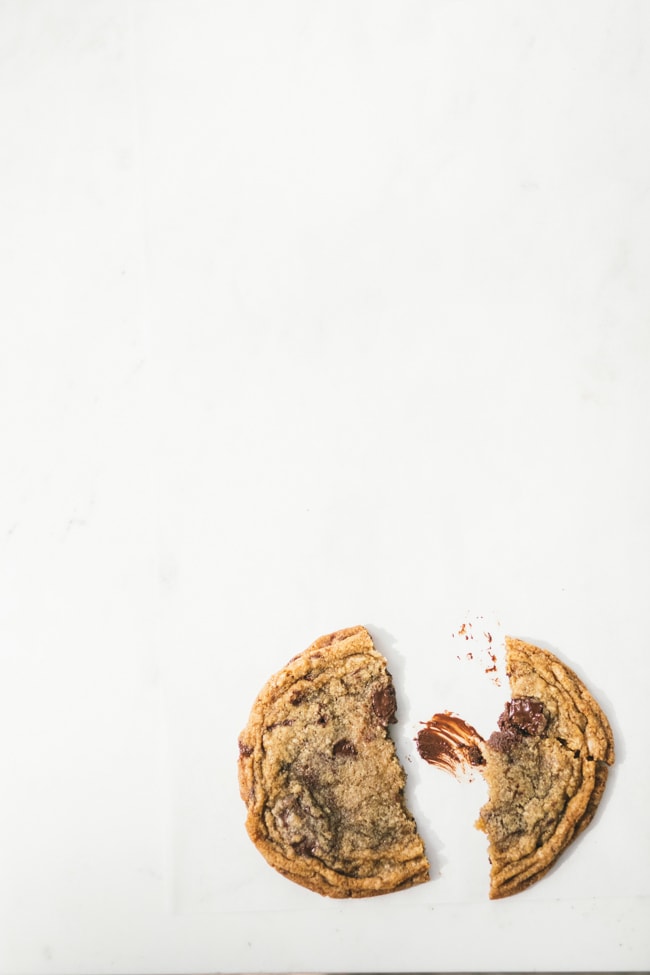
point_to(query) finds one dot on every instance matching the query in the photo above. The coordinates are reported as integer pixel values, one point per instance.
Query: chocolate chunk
(524, 714)
(523, 717)
(280, 724)
(245, 750)
(344, 748)
(384, 704)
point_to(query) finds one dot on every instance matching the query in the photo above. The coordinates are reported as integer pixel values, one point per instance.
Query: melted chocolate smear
(449, 743)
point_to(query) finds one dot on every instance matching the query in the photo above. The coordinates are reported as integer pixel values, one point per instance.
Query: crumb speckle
(485, 639)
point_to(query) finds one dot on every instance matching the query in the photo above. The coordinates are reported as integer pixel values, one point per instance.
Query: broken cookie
(320, 776)
(546, 766)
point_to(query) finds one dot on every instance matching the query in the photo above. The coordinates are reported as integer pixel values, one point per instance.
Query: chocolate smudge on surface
(449, 743)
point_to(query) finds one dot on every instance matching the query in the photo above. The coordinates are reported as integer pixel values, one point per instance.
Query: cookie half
(320, 777)
(546, 768)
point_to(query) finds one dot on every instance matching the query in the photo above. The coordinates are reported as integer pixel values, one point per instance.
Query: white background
(312, 314)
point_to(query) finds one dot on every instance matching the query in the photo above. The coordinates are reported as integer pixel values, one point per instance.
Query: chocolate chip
(525, 715)
(344, 748)
(384, 704)
(245, 750)
(280, 724)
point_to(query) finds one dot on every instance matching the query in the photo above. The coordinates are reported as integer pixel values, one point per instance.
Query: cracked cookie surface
(320, 777)
(546, 768)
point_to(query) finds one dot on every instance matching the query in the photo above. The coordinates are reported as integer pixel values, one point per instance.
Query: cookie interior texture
(320, 776)
(546, 768)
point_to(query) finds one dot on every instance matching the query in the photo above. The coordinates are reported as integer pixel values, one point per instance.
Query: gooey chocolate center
(523, 717)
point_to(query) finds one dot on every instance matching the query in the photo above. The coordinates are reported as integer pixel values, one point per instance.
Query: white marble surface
(312, 315)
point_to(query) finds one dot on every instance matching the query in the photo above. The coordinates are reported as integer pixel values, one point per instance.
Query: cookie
(546, 768)
(320, 777)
